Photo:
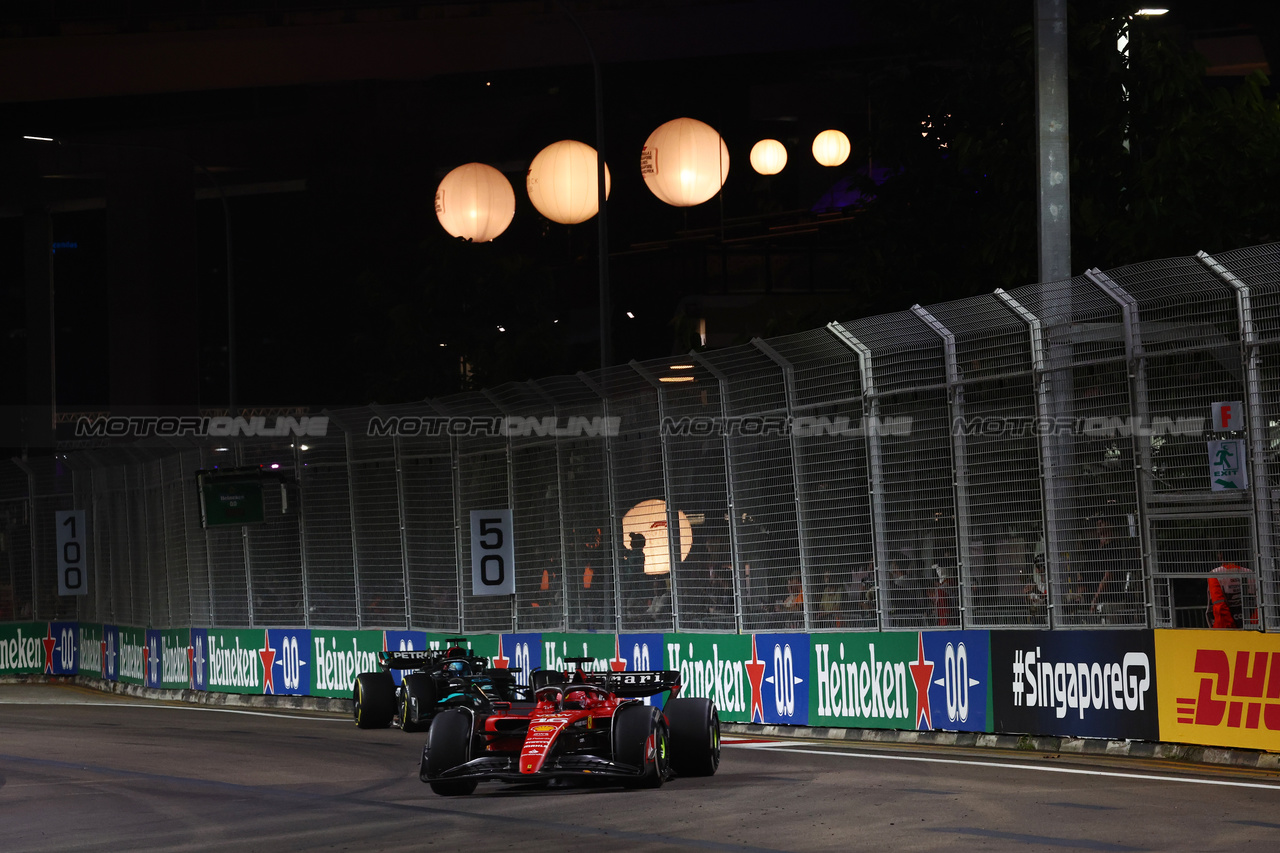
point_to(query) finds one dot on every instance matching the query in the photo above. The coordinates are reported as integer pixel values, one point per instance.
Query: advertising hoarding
(1219, 688)
(1083, 683)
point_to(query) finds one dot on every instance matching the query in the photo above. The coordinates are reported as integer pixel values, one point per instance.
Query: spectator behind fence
(944, 595)
(907, 599)
(1036, 590)
(794, 601)
(1229, 590)
(1113, 587)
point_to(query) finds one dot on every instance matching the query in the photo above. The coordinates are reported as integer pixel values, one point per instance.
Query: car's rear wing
(407, 659)
(635, 685)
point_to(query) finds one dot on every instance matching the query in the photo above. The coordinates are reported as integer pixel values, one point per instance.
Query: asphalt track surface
(81, 770)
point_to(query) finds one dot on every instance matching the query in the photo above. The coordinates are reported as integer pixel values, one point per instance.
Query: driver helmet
(455, 667)
(578, 699)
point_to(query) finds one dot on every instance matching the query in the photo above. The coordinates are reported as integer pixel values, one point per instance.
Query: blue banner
(200, 658)
(61, 649)
(285, 660)
(956, 668)
(522, 652)
(153, 647)
(779, 676)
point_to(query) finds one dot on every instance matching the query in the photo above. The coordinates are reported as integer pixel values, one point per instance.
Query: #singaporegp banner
(1214, 688)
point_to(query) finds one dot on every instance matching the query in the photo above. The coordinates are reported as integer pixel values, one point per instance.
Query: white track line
(343, 719)
(1010, 766)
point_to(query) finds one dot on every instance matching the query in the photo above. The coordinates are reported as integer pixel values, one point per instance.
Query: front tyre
(695, 736)
(640, 740)
(448, 746)
(374, 695)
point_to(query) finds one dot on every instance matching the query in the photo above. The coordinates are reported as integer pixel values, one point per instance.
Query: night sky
(346, 291)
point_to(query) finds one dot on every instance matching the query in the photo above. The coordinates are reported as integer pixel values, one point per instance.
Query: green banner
(337, 657)
(132, 655)
(22, 648)
(713, 666)
(235, 660)
(557, 647)
(876, 689)
(92, 664)
(175, 670)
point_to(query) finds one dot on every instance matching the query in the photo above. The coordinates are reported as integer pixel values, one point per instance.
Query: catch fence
(1039, 457)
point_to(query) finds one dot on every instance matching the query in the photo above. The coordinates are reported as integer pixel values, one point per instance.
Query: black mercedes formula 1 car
(431, 681)
(580, 725)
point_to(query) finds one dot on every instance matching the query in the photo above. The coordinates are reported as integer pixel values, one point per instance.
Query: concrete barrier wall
(1210, 688)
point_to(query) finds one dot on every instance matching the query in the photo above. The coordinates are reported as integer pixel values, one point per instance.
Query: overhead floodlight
(1151, 13)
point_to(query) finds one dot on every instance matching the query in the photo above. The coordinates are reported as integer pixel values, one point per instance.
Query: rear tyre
(374, 695)
(417, 701)
(640, 740)
(695, 736)
(448, 746)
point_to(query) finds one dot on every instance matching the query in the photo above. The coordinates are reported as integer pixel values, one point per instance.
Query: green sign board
(232, 501)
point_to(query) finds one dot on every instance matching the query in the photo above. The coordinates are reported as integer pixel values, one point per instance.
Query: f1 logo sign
(1228, 417)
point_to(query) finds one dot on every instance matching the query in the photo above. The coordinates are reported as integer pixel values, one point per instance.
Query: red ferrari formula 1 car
(580, 725)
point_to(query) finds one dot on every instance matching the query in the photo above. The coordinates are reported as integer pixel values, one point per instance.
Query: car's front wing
(506, 768)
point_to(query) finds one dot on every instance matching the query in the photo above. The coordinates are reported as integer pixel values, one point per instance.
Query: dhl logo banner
(1219, 688)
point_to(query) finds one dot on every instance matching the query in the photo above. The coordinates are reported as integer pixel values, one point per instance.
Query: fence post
(1251, 359)
(802, 533)
(1050, 475)
(959, 458)
(729, 490)
(244, 547)
(404, 541)
(1139, 412)
(615, 537)
(351, 511)
(673, 517)
(871, 416)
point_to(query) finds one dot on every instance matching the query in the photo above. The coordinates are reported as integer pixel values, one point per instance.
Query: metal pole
(723, 380)
(802, 531)
(875, 472)
(1140, 411)
(615, 529)
(1049, 472)
(959, 462)
(673, 514)
(1052, 140)
(602, 216)
(1251, 359)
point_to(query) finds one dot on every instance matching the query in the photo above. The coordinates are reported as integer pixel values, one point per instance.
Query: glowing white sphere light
(562, 182)
(649, 519)
(684, 162)
(475, 201)
(768, 156)
(831, 148)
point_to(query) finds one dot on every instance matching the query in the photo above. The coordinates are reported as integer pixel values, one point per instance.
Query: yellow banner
(1219, 688)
